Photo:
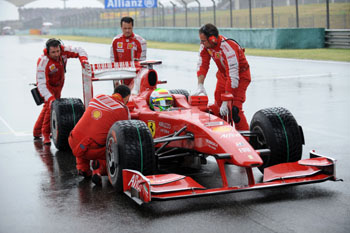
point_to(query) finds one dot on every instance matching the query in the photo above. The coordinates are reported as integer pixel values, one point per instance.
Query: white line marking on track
(17, 134)
(257, 78)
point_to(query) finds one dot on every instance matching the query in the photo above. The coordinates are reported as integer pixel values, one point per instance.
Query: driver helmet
(160, 100)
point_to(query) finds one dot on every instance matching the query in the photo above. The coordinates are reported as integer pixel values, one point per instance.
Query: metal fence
(329, 14)
(337, 38)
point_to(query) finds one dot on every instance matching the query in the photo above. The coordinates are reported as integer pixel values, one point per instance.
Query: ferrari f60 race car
(186, 135)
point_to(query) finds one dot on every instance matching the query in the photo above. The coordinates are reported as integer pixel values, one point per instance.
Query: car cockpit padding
(152, 78)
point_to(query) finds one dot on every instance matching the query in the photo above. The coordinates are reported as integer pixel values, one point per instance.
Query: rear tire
(129, 146)
(181, 92)
(279, 132)
(65, 114)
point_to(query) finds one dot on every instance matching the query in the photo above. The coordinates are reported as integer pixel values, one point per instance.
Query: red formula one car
(186, 135)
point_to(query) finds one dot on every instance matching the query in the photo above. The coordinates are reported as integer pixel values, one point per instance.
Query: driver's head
(160, 100)
(127, 24)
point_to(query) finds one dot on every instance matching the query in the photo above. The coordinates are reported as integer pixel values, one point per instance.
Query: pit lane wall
(274, 38)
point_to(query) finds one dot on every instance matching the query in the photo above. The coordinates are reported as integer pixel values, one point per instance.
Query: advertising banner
(114, 4)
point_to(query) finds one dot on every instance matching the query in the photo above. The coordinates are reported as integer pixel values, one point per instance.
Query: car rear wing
(111, 71)
(105, 72)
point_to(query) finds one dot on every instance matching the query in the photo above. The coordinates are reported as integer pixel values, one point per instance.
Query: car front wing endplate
(144, 189)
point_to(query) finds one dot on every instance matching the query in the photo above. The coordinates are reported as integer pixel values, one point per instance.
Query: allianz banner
(112, 4)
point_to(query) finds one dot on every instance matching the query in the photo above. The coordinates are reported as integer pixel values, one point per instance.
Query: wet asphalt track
(41, 193)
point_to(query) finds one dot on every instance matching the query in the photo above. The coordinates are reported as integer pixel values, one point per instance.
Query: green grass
(314, 54)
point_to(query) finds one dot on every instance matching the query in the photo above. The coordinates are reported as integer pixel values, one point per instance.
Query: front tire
(129, 146)
(278, 131)
(65, 114)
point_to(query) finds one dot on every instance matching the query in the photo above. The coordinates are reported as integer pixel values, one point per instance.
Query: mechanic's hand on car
(224, 108)
(200, 90)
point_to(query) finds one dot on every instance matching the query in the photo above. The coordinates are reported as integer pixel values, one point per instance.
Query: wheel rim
(260, 139)
(261, 143)
(112, 158)
(54, 126)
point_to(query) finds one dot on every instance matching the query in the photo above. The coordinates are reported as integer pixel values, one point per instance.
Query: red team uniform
(88, 138)
(233, 74)
(128, 49)
(50, 79)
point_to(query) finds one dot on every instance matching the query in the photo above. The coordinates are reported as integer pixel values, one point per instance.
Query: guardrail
(337, 38)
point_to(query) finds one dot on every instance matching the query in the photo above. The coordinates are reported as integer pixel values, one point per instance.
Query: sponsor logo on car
(239, 144)
(211, 144)
(164, 125)
(214, 123)
(152, 127)
(165, 131)
(135, 182)
(222, 129)
(229, 135)
(244, 150)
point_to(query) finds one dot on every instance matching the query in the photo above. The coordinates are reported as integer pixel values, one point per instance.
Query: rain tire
(65, 114)
(278, 131)
(129, 145)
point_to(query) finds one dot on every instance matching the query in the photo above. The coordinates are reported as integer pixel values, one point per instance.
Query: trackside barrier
(337, 38)
(270, 38)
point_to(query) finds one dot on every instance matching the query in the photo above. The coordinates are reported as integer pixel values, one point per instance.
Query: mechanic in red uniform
(50, 79)
(88, 138)
(128, 46)
(233, 75)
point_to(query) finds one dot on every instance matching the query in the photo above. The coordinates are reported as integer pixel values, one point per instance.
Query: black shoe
(84, 174)
(37, 138)
(97, 179)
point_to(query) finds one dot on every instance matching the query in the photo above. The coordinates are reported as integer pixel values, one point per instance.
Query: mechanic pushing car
(51, 68)
(88, 138)
(128, 46)
(233, 75)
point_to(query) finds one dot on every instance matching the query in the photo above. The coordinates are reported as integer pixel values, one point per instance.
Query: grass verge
(313, 54)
